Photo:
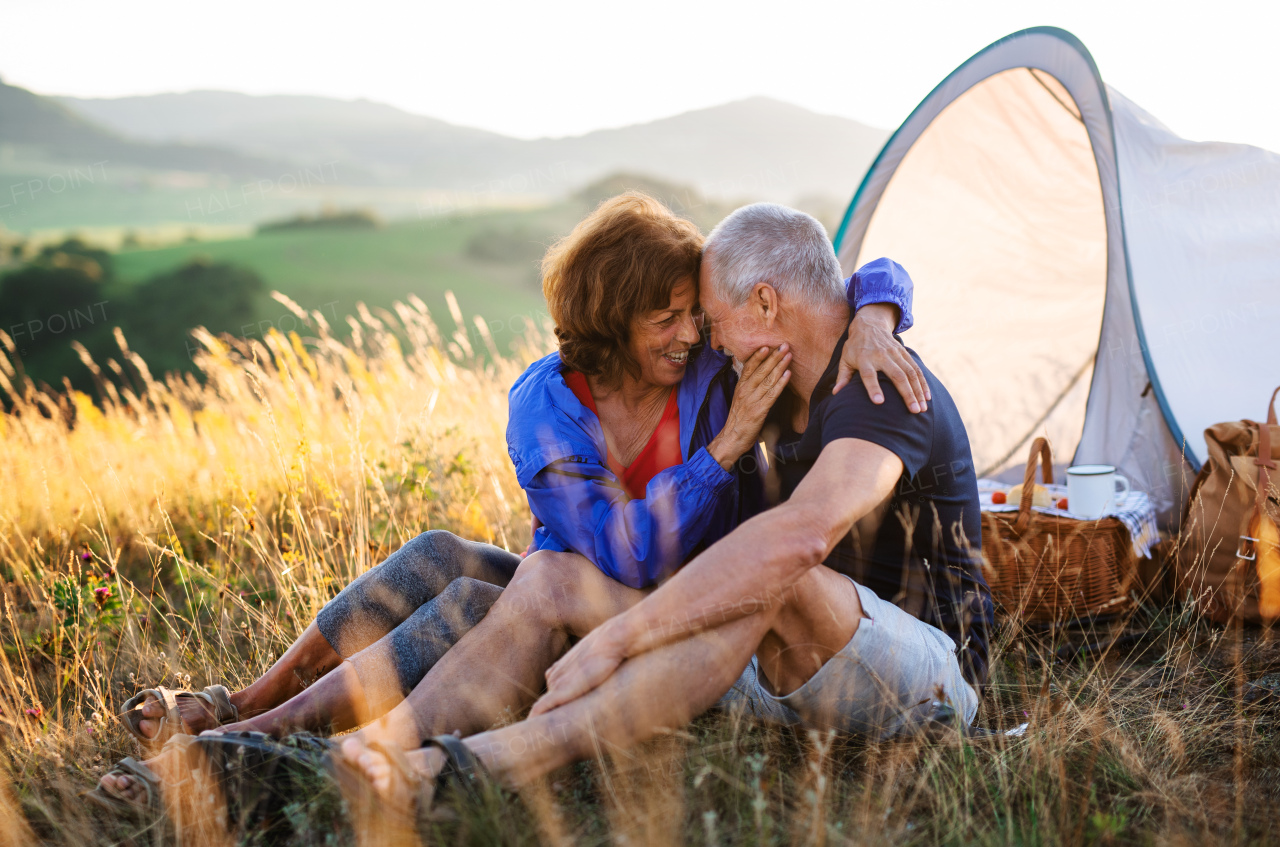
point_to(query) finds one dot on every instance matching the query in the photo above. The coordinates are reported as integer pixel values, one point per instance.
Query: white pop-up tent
(1080, 271)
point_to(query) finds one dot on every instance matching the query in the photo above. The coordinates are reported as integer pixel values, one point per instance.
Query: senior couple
(832, 581)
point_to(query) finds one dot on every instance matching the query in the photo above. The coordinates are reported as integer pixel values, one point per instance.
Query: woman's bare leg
(364, 612)
(375, 680)
(308, 658)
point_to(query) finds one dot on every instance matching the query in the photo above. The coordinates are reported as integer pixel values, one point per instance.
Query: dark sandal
(462, 774)
(943, 723)
(109, 800)
(276, 789)
(462, 770)
(215, 697)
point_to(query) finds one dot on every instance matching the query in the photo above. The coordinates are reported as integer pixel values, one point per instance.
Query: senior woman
(635, 444)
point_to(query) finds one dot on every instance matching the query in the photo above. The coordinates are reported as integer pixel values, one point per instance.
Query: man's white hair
(768, 242)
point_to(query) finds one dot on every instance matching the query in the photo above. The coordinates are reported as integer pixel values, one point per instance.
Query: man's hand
(871, 348)
(591, 661)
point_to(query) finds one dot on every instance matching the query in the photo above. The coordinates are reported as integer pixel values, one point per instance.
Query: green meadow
(334, 269)
(157, 291)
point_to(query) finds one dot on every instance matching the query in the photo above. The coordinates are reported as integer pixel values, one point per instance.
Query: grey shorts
(890, 675)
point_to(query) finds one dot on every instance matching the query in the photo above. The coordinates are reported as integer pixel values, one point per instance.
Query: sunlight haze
(551, 69)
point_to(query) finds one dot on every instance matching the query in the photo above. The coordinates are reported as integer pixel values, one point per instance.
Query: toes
(351, 750)
(382, 782)
(377, 772)
(121, 786)
(371, 763)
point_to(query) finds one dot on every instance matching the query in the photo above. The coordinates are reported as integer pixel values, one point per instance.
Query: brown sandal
(216, 697)
(149, 804)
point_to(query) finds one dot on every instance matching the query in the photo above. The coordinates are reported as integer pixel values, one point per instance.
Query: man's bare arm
(738, 575)
(768, 553)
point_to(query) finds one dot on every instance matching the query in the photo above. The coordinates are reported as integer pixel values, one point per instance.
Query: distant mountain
(754, 148)
(50, 130)
(354, 136)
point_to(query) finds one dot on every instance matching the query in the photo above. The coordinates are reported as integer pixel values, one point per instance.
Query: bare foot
(390, 731)
(385, 776)
(128, 788)
(195, 713)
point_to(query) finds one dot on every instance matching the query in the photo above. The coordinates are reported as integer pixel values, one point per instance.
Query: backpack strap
(1246, 550)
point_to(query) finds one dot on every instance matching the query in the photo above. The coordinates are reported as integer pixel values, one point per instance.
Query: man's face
(736, 331)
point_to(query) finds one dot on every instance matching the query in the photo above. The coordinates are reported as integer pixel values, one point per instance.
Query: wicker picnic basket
(1053, 569)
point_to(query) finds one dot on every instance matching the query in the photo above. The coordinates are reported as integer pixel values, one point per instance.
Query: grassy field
(487, 258)
(487, 261)
(184, 533)
(333, 270)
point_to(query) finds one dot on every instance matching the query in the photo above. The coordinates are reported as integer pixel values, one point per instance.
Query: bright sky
(1211, 70)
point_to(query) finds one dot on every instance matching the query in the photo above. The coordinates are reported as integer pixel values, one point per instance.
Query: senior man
(857, 603)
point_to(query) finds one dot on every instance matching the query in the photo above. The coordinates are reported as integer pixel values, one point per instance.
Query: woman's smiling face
(661, 339)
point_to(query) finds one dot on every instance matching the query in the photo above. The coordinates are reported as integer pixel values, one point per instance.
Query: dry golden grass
(184, 530)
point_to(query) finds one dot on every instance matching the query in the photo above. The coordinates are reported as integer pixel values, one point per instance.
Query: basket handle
(1040, 451)
(1263, 460)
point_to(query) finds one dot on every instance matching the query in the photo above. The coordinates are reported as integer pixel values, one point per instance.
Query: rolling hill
(360, 136)
(756, 148)
(37, 127)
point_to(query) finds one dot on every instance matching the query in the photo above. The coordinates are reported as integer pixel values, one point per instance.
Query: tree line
(69, 292)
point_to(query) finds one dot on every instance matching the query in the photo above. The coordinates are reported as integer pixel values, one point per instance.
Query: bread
(1039, 496)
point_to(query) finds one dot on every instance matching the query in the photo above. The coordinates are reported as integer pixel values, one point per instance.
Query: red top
(661, 452)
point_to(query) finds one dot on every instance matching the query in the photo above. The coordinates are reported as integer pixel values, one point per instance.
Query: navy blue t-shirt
(925, 554)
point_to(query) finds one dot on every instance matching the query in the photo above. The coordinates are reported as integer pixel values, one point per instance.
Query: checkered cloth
(1133, 509)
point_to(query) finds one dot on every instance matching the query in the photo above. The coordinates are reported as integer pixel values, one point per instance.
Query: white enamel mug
(1092, 489)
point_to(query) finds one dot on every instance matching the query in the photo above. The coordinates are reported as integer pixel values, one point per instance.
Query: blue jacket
(558, 448)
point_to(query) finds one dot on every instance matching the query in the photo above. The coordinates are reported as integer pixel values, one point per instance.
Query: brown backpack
(1229, 549)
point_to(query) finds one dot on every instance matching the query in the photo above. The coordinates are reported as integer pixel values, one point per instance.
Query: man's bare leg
(663, 689)
(498, 667)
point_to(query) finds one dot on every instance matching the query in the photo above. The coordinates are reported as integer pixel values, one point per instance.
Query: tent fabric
(1080, 271)
(1202, 230)
(1015, 226)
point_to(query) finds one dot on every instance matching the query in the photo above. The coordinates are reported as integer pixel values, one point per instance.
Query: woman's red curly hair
(620, 262)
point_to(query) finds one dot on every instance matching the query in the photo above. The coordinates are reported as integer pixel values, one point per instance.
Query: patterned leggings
(395, 621)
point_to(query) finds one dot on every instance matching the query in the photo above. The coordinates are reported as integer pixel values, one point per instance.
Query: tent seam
(1053, 94)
